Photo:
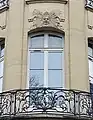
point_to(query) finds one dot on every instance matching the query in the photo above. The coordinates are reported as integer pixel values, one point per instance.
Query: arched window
(46, 60)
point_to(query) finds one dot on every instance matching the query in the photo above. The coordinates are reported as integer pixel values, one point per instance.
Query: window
(46, 56)
(2, 46)
(90, 60)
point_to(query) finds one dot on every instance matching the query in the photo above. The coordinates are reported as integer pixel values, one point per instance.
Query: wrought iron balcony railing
(46, 100)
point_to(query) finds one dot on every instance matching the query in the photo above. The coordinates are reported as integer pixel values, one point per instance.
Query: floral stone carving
(89, 3)
(4, 4)
(44, 19)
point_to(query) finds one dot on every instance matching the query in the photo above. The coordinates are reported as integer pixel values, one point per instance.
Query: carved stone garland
(45, 19)
(4, 4)
(89, 3)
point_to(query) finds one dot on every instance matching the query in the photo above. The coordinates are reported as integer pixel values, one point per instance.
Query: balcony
(55, 101)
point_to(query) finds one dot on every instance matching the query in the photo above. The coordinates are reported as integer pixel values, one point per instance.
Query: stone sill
(47, 1)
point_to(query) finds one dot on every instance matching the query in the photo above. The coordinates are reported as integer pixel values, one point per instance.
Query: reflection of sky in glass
(1, 68)
(37, 41)
(55, 41)
(90, 68)
(55, 78)
(37, 60)
(2, 50)
(90, 51)
(55, 60)
(1, 83)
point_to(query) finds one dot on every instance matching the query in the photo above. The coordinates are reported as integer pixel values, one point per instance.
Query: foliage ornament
(3, 4)
(47, 19)
(89, 4)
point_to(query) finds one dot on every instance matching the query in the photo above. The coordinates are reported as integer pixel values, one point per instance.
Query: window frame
(46, 49)
(90, 58)
(2, 59)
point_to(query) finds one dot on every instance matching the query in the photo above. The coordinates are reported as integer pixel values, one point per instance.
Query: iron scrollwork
(35, 100)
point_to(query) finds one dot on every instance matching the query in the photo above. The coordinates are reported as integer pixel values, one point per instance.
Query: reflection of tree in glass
(33, 93)
(34, 82)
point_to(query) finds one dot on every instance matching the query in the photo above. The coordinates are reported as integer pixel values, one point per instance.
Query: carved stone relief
(44, 19)
(3, 20)
(89, 3)
(4, 4)
(90, 27)
(90, 20)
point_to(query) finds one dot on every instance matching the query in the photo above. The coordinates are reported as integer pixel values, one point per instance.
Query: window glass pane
(55, 78)
(1, 50)
(2, 53)
(1, 83)
(55, 41)
(36, 60)
(36, 78)
(37, 41)
(91, 89)
(91, 79)
(1, 68)
(90, 51)
(55, 60)
(90, 68)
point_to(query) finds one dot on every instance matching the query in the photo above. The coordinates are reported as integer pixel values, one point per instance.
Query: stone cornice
(47, 1)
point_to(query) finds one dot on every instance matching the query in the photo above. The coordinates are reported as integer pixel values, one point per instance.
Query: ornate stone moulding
(46, 19)
(89, 4)
(47, 1)
(90, 27)
(4, 5)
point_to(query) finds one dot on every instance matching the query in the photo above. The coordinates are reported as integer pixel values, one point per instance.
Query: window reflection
(55, 41)
(46, 60)
(36, 78)
(37, 41)
(55, 60)
(37, 60)
(55, 78)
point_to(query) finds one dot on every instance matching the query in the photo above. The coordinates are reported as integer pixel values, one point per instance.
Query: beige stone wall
(73, 19)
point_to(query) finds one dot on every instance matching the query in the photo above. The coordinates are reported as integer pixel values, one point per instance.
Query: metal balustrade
(47, 100)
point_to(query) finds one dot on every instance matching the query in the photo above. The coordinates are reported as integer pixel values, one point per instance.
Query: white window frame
(46, 50)
(90, 58)
(2, 59)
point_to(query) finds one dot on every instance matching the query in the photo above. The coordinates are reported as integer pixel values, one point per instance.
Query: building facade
(45, 46)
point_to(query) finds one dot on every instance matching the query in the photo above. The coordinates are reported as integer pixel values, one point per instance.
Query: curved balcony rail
(47, 100)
